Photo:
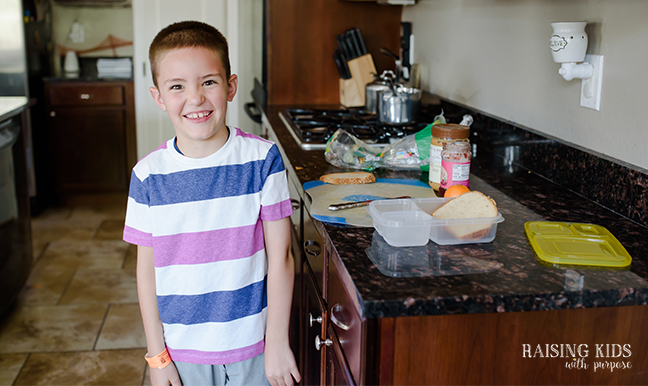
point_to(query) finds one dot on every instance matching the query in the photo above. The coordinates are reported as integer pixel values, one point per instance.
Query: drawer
(346, 322)
(85, 95)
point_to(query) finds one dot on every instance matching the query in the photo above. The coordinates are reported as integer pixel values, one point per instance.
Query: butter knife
(348, 205)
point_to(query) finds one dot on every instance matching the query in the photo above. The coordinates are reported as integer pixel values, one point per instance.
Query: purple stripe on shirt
(276, 211)
(217, 357)
(243, 134)
(209, 246)
(133, 236)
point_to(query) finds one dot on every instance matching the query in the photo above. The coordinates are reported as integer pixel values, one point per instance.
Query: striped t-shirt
(203, 218)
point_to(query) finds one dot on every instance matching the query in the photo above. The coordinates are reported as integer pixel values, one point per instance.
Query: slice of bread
(468, 205)
(348, 178)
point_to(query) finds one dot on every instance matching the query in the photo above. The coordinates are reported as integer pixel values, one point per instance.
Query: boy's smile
(194, 90)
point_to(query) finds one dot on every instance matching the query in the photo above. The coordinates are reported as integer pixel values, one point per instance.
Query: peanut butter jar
(443, 133)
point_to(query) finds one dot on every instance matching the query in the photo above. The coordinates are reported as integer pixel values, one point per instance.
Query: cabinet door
(311, 367)
(345, 320)
(314, 252)
(337, 371)
(89, 149)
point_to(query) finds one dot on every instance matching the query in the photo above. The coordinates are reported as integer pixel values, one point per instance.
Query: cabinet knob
(339, 319)
(85, 96)
(311, 319)
(312, 247)
(52, 113)
(319, 342)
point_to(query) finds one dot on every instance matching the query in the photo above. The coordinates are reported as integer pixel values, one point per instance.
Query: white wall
(97, 23)
(493, 55)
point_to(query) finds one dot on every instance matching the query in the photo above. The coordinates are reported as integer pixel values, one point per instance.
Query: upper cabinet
(301, 43)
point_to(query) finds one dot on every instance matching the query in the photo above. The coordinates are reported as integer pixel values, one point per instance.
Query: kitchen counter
(508, 166)
(11, 106)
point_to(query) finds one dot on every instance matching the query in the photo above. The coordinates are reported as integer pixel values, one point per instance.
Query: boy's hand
(165, 377)
(280, 365)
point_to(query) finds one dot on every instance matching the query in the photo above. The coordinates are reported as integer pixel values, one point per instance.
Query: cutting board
(324, 194)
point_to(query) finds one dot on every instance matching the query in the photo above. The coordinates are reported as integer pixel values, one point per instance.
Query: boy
(209, 211)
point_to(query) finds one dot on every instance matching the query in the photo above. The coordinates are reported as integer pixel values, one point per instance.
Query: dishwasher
(15, 223)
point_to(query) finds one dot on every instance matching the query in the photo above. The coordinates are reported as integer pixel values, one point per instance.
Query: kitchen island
(470, 324)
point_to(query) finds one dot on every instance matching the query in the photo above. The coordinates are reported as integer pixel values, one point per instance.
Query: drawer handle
(295, 203)
(85, 96)
(312, 247)
(311, 320)
(319, 342)
(336, 320)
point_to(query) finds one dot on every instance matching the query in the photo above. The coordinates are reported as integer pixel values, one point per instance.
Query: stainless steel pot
(399, 106)
(380, 83)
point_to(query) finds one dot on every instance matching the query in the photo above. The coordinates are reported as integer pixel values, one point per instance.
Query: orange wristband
(160, 361)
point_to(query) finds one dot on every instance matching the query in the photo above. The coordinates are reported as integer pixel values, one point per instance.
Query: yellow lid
(576, 244)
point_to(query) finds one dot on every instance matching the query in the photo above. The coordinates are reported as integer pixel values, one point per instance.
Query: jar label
(435, 163)
(454, 173)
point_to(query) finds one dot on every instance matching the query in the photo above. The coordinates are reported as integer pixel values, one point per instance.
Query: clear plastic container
(400, 222)
(458, 231)
(408, 223)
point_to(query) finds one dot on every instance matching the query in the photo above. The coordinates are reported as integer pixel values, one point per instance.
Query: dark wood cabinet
(91, 130)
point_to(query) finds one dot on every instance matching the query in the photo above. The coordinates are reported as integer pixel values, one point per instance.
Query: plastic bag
(345, 150)
(411, 152)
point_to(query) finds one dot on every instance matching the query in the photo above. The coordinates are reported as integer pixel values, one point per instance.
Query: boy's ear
(232, 86)
(155, 93)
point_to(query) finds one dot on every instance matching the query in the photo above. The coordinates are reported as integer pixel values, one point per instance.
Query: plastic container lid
(576, 244)
(450, 131)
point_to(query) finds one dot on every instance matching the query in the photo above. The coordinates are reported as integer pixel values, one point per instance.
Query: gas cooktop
(311, 128)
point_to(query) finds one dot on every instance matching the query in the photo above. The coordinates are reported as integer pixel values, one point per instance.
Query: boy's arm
(151, 317)
(280, 363)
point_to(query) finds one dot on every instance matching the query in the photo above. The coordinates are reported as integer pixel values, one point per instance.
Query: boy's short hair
(188, 34)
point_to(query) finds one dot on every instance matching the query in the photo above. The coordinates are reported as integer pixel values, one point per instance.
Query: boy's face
(194, 91)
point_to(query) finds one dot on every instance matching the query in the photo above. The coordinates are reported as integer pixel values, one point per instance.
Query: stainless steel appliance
(15, 161)
(15, 222)
(311, 128)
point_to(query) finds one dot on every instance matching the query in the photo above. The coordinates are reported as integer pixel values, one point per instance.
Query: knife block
(362, 72)
(350, 96)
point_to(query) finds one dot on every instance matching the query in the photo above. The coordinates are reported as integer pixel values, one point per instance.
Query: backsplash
(610, 183)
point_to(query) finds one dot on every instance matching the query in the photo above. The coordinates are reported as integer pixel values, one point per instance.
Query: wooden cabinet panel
(90, 150)
(485, 349)
(314, 253)
(86, 95)
(337, 370)
(312, 317)
(91, 130)
(301, 42)
(346, 322)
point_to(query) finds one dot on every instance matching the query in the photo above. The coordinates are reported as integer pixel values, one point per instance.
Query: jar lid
(450, 130)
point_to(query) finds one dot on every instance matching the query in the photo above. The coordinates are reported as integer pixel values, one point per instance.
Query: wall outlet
(590, 95)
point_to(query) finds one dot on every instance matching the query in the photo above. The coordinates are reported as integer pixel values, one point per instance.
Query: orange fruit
(456, 190)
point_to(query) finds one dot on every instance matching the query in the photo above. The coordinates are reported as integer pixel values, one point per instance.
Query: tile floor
(77, 320)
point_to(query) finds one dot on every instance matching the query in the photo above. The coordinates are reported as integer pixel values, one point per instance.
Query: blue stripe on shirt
(206, 183)
(219, 306)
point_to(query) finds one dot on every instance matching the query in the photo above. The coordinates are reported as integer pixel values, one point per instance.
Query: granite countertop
(501, 276)
(11, 106)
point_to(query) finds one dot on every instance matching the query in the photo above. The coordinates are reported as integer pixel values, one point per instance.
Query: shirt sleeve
(137, 227)
(275, 197)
